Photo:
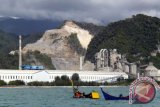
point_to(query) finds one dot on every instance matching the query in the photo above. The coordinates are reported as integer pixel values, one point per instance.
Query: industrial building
(49, 75)
(152, 71)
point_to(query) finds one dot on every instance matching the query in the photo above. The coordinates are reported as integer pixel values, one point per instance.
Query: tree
(2, 83)
(57, 78)
(16, 82)
(39, 83)
(64, 78)
(75, 77)
(120, 79)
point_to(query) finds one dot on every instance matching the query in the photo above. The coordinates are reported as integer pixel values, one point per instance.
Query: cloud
(95, 11)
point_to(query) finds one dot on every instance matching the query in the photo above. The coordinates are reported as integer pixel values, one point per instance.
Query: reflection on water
(62, 97)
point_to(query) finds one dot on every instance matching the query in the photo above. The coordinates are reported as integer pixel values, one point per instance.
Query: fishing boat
(111, 97)
(77, 94)
(92, 95)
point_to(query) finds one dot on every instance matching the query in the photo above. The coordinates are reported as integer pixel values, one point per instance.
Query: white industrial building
(49, 75)
(152, 71)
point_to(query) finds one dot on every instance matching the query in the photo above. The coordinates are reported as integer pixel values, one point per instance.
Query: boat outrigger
(111, 97)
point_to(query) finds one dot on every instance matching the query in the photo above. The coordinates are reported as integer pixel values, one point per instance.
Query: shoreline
(53, 86)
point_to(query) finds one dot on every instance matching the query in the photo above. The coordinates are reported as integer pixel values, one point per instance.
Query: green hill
(9, 42)
(136, 37)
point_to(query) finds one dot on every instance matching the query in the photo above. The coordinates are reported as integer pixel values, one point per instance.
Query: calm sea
(62, 97)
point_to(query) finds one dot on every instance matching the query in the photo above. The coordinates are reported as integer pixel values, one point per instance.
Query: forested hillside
(136, 37)
(9, 42)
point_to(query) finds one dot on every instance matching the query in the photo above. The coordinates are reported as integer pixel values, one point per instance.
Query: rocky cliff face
(55, 44)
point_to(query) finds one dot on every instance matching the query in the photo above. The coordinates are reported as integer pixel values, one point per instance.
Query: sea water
(62, 97)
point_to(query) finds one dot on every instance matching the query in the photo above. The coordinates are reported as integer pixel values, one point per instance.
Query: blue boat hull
(110, 97)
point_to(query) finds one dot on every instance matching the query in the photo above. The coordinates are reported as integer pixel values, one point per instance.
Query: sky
(94, 11)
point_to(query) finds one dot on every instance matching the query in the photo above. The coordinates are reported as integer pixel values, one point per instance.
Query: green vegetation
(2, 83)
(136, 37)
(8, 61)
(16, 83)
(62, 81)
(37, 57)
(32, 38)
(155, 60)
(79, 83)
(9, 42)
(75, 77)
(44, 59)
(37, 83)
(75, 44)
(65, 81)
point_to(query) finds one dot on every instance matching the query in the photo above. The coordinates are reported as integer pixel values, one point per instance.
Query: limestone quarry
(54, 43)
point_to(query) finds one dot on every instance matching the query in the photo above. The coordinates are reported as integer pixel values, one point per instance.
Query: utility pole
(20, 52)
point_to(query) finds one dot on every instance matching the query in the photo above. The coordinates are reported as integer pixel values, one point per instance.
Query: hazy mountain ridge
(26, 26)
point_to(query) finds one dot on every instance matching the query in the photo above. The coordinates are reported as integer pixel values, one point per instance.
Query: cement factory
(108, 67)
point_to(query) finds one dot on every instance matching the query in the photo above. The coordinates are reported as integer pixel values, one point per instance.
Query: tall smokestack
(20, 52)
(81, 63)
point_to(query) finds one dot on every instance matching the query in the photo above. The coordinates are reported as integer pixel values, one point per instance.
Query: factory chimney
(81, 63)
(20, 52)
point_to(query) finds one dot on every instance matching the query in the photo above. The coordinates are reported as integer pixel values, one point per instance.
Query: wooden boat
(111, 97)
(92, 95)
(77, 94)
